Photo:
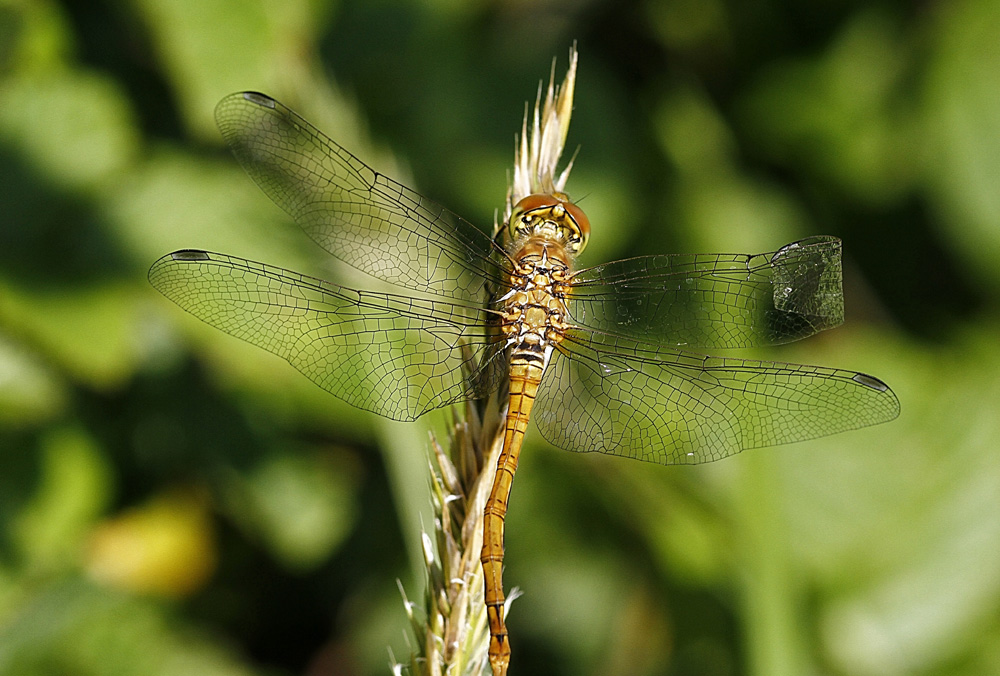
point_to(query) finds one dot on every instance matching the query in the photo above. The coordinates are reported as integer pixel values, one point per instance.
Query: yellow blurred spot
(166, 547)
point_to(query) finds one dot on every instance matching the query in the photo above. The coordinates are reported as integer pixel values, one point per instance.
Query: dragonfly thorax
(534, 311)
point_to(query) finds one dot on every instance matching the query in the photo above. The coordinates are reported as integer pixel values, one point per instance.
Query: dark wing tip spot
(259, 99)
(870, 381)
(190, 255)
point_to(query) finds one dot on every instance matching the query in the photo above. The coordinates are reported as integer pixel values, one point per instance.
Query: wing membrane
(715, 301)
(360, 216)
(672, 407)
(616, 383)
(396, 356)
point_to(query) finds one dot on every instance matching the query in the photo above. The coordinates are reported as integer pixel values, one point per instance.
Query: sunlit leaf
(74, 487)
(300, 507)
(75, 127)
(29, 392)
(962, 115)
(90, 332)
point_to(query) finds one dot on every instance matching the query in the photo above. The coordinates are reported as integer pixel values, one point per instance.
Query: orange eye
(537, 201)
(580, 218)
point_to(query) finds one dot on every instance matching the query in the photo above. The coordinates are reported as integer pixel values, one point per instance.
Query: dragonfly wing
(672, 407)
(715, 301)
(396, 356)
(360, 216)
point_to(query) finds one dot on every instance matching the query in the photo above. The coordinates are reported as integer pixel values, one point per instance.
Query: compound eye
(582, 223)
(515, 220)
(536, 201)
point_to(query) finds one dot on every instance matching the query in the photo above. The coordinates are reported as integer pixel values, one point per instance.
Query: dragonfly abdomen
(527, 366)
(533, 322)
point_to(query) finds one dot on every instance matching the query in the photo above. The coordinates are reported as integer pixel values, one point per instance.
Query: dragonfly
(600, 358)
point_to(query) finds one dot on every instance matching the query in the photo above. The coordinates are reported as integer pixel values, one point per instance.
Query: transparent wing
(363, 218)
(672, 407)
(396, 356)
(715, 301)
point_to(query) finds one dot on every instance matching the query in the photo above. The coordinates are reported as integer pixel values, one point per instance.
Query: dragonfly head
(551, 216)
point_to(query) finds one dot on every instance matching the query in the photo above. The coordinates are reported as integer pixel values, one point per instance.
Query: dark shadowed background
(174, 501)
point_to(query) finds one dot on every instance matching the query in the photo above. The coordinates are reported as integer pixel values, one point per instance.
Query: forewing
(396, 356)
(714, 301)
(672, 407)
(363, 218)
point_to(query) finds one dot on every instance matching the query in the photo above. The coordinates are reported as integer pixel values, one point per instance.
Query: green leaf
(301, 506)
(74, 489)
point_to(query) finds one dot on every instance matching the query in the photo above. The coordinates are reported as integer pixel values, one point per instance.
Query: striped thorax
(547, 232)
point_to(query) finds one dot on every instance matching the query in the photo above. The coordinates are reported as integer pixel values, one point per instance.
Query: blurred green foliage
(176, 502)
